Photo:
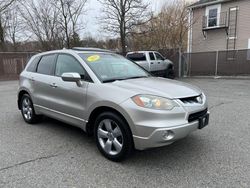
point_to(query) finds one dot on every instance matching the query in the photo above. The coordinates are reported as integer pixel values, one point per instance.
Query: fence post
(189, 63)
(180, 66)
(1, 66)
(216, 63)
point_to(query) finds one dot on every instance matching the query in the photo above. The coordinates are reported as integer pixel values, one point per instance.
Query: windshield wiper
(119, 79)
(134, 77)
(113, 80)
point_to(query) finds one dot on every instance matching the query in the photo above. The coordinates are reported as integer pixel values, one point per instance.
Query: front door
(160, 61)
(153, 62)
(70, 99)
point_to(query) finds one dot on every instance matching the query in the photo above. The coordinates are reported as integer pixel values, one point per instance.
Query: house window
(213, 15)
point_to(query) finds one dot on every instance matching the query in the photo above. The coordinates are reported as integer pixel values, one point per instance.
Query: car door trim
(61, 113)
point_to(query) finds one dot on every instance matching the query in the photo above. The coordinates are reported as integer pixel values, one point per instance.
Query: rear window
(46, 65)
(137, 57)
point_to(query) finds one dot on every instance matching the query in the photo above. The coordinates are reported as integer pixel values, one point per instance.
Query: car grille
(197, 115)
(190, 100)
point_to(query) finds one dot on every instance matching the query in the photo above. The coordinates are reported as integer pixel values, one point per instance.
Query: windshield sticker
(93, 58)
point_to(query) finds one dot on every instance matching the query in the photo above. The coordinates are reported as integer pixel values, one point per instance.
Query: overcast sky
(93, 10)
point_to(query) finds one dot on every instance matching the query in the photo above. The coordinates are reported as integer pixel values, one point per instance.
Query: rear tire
(27, 110)
(113, 136)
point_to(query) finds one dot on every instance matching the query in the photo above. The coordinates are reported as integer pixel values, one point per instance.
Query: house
(219, 25)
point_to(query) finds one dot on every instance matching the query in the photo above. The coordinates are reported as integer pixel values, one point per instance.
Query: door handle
(159, 62)
(152, 63)
(53, 85)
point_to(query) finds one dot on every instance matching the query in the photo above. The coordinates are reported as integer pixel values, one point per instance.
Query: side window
(151, 55)
(67, 63)
(32, 66)
(159, 57)
(137, 57)
(46, 64)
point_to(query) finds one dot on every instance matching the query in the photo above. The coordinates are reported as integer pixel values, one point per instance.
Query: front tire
(27, 110)
(113, 136)
(169, 73)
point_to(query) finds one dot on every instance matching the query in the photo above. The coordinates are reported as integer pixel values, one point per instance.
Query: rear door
(41, 82)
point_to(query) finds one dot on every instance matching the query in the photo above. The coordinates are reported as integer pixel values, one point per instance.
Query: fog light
(167, 135)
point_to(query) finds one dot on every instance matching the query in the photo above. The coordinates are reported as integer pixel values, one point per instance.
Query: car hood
(159, 86)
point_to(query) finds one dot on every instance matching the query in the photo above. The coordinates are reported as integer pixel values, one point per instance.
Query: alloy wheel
(110, 137)
(27, 108)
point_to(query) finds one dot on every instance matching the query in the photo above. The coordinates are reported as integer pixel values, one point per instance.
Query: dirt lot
(53, 154)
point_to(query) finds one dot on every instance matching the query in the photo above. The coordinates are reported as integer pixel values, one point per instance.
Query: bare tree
(121, 16)
(14, 25)
(180, 27)
(41, 19)
(70, 12)
(4, 4)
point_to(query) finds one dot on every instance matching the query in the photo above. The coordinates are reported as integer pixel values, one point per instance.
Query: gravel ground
(53, 154)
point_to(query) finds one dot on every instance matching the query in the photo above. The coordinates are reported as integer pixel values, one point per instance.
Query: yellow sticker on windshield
(93, 58)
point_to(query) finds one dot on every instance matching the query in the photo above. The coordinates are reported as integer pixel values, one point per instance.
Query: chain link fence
(217, 63)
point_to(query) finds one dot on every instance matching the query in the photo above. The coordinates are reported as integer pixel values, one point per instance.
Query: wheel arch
(19, 97)
(98, 110)
(170, 66)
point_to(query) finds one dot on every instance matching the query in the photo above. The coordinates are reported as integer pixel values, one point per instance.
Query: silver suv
(110, 97)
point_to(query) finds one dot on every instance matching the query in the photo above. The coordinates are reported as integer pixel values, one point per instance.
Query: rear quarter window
(46, 64)
(137, 57)
(33, 64)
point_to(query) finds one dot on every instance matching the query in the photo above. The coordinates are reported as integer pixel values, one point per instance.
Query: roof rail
(91, 49)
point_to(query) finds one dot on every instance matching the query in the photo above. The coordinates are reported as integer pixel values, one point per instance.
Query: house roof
(201, 3)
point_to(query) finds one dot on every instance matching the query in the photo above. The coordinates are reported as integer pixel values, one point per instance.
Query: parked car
(153, 62)
(110, 97)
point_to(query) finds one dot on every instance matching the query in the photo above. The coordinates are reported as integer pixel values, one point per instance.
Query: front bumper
(151, 128)
(156, 138)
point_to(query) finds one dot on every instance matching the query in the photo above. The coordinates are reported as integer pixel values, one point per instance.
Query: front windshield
(112, 67)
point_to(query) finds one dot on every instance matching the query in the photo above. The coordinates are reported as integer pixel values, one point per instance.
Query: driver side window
(66, 63)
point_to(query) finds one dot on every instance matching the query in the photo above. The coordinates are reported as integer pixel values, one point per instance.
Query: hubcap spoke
(108, 126)
(102, 133)
(108, 146)
(117, 132)
(28, 102)
(117, 145)
(28, 115)
(25, 110)
(25, 103)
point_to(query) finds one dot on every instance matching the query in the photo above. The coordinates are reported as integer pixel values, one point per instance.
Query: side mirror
(72, 77)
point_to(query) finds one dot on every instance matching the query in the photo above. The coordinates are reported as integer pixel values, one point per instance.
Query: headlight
(154, 102)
